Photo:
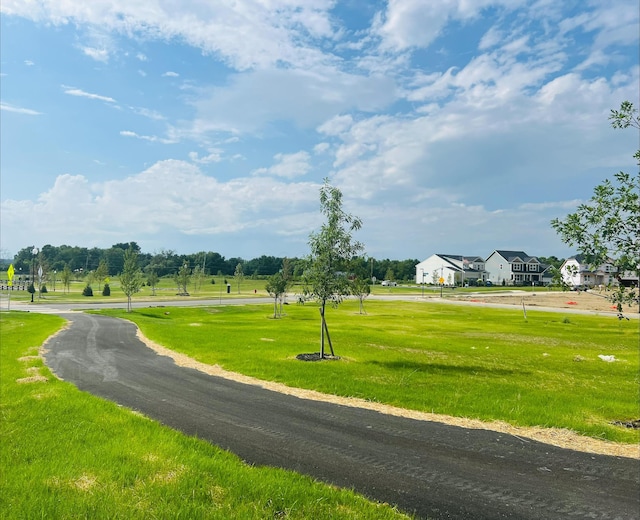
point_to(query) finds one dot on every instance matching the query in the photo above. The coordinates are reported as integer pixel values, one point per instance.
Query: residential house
(514, 268)
(576, 272)
(452, 269)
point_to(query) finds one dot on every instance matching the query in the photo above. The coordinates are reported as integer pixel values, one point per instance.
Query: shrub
(107, 290)
(87, 291)
(43, 289)
(31, 288)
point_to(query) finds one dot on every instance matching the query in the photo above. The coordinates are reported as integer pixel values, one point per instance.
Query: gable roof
(510, 256)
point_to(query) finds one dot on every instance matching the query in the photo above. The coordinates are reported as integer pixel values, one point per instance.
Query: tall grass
(474, 362)
(67, 454)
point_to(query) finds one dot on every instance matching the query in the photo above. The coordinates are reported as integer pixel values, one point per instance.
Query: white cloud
(214, 156)
(170, 74)
(29, 63)
(168, 198)
(81, 93)
(287, 165)
(321, 148)
(101, 55)
(19, 110)
(306, 98)
(146, 112)
(415, 23)
(245, 35)
(150, 138)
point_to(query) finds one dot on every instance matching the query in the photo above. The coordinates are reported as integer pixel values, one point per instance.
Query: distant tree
(131, 280)
(239, 275)
(606, 228)
(332, 249)
(66, 277)
(276, 287)
(360, 282)
(553, 261)
(152, 280)
(182, 278)
(198, 276)
(101, 272)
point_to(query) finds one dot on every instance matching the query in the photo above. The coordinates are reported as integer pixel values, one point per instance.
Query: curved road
(429, 469)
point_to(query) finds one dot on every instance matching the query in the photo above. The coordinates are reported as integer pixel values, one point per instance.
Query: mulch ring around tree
(315, 357)
(628, 424)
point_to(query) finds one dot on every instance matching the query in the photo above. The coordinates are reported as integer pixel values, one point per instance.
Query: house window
(533, 267)
(518, 278)
(517, 266)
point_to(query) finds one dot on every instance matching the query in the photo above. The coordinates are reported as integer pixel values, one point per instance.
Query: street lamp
(422, 271)
(55, 272)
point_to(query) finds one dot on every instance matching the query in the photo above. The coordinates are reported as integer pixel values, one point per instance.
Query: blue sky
(453, 127)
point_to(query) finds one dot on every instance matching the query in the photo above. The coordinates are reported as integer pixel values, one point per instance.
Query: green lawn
(472, 362)
(66, 454)
(248, 287)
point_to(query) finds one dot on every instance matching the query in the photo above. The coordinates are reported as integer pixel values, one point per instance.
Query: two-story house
(452, 269)
(514, 268)
(576, 272)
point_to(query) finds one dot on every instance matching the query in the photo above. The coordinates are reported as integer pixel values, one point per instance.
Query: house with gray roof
(452, 269)
(514, 268)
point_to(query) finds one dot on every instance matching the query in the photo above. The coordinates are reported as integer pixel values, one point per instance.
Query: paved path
(430, 469)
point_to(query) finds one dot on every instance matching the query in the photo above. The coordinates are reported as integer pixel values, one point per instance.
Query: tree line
(82, 260)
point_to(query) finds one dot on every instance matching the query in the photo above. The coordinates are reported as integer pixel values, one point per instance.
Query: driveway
(430, 469)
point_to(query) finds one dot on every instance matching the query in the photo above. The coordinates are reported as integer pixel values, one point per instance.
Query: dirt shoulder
(586, 301)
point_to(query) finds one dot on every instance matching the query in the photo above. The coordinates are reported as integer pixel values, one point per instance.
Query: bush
(31, 289)
(107, 290)
(87, 291)
(43, 289)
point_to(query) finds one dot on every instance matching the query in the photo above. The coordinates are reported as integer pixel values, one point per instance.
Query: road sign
(10, 272)
(441, 280)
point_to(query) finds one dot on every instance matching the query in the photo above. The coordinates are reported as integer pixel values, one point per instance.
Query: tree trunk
(322, 331)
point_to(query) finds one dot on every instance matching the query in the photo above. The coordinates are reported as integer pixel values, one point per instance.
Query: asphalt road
(426, 468)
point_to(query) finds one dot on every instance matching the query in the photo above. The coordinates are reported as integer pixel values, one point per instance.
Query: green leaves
(607, 227)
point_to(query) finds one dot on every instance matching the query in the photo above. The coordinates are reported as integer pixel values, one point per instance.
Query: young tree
(361, 289)
(101, 272)
(66, 277)
(182, 278)
(198, 276)
(131, 280)
(152, 280)
(239, 275)
(607, 227)
(276, 287)
(332, 249)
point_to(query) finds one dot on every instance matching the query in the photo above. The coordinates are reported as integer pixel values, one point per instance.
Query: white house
(575, 271)
(513, 268)
(451, 269)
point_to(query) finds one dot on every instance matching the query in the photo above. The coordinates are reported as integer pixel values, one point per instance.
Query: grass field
(66, 454)
(248, 287)
(471, 362)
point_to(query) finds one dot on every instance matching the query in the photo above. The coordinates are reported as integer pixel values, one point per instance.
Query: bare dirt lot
(586, 301)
